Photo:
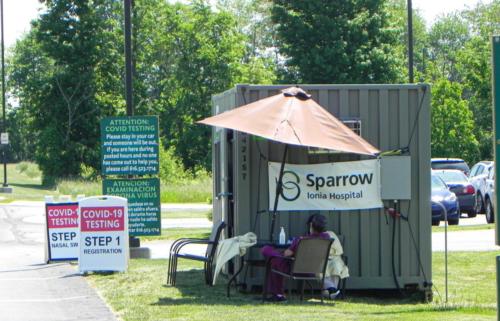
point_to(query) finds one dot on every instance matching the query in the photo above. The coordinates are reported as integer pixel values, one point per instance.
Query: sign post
(496, 146)
(63, 235)
(103, 234)
(496, 125)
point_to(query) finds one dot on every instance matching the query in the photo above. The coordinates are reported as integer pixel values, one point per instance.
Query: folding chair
(309, 263)
(208, 258)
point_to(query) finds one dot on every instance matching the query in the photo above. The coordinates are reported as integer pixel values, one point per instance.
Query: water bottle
(282, 236)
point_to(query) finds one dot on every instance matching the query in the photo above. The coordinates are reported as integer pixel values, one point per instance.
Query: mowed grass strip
(183, 214)
(172, 234)
(141, 294)
(25, 179)
(456, 228)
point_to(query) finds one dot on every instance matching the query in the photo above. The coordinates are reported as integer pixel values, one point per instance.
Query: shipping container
(390, 117)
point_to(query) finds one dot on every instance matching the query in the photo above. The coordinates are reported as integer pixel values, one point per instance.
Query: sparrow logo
(290, 190)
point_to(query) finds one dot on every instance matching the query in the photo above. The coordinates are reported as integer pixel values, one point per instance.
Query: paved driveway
(31, 289)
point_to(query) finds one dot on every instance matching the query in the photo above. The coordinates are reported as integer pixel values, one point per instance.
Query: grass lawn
(26, 184)
(184, 214)
(196, 191)
(176, 233)
(25, 180)
(141, 294)
(455, 228)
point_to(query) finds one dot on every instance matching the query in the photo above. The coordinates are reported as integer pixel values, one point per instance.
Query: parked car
(478, 175)
(450, 163)
(441, 194)
(489, 197)
(459, 184)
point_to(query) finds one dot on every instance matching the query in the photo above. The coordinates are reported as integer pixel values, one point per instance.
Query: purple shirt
(295, 242)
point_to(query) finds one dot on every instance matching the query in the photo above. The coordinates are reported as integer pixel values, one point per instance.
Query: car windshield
(437, 183)
(450, 165)
(452, 176)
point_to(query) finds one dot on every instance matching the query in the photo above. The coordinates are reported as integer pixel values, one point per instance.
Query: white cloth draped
(336, 266)
(227, 249)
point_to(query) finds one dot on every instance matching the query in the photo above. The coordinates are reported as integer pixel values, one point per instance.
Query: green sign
(129, 145)
(496, 126)
(144, 211)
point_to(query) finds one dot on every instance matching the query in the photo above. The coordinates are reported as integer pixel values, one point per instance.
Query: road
(33, 290)
(475, 240)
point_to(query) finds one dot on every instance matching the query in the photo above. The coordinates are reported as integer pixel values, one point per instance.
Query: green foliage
(28, 71)
(446, 38)
(336, 41)
(452, 123)
(253, 21)
(207, 51)
(88, 173)
(171, 168)
(398, 21)
(68, 74)
(75, 187)
(31, 170)
(56, 84)
(195, 190)
(180, 185)
(474, 66)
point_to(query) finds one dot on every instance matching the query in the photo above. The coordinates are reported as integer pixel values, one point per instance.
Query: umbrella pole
(279, 187)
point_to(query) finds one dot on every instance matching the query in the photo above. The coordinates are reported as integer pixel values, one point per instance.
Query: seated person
(335, 269)
(317, 227)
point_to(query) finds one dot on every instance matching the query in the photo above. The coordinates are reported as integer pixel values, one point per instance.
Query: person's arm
(290, 251)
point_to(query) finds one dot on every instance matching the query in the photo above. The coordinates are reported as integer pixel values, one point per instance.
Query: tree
(336, 41)
(58, 89)
(208, 49)
(68, 73)
(253, 20)
(474, 67)
(29, 72)
(447, 37)
(452, 123)
(398, 21)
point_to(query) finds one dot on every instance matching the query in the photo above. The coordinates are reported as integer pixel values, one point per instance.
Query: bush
(180, 185)
(171, 168)
(76, 187)
(196, 190)
(88, 173)
(29, 169)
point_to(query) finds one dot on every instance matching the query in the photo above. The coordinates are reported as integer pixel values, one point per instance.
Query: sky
(19, 13)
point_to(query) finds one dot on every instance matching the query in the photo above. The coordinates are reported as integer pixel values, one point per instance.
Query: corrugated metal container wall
(391, 117)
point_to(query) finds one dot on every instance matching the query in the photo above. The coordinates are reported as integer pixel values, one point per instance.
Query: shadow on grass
(193, 290)
(33, 186)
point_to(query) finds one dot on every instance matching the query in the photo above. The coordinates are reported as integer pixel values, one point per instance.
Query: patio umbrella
(292, 118)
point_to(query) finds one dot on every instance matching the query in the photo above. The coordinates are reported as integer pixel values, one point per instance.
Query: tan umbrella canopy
(292, 117)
